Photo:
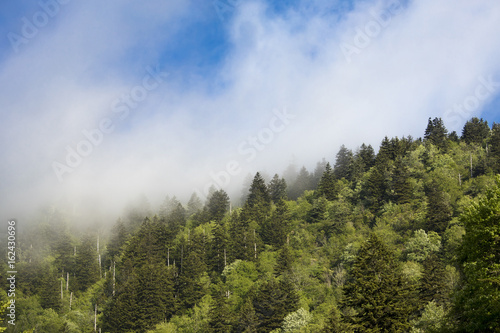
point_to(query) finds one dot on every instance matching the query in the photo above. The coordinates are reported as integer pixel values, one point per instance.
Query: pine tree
(476, 131)
(494, 148)
(439, 211)
(258, 204)
(194, 205)
(432, 285)
(274, 300)
(343, 164)
(377, 291)
(367, 155)
(303, 182)
(118, 238)
(50, 295)
(87, 264)
(219, 315)
(403, 191)
(218, 205)
(318, 172)
(277, 189)
(284, 262)
(327, 186)
(247, 321)
(436, 133)
(277, 227)
(477, 303)
(218, 248)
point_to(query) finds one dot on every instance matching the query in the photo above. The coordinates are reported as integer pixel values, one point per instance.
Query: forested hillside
(402, 239)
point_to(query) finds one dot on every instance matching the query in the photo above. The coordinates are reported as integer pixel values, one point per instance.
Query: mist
(107, 102)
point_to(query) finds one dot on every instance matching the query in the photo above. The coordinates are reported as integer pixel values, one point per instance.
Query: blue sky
(256, 83)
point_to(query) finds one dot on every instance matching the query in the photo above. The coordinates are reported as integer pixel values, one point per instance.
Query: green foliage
(477, 304)
(436, 133)
(377, 296)
(431, 320)
(422, 244)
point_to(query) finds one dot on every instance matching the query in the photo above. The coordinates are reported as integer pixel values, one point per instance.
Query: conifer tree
(403, 191)
(50, 295)
(277, 227)
(194, 205)
(477, 303)
(277, 188)
(218, 205)
(258, 204)
(219, 315)
(247, 321)
(494, 148)
(367, 156)
(377, 291)
(303, 182)
(218, 248)
(432, 285)
(274, 300)
(118, 238)
(436, 133)
(87, 264)
(439, 211)
(476, 131)
(327, 185)
(343, 164)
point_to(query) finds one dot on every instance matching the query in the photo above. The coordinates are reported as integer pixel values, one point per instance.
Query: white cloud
(425, 60)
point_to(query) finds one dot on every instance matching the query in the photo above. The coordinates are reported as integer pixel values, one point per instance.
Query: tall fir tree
(276, 228)
(476, 131)
(87, 264)
(217, 206)
(343, 164)
(377, 292)
(277, 188)
(327, 186)
(436, 133)
(494, 148)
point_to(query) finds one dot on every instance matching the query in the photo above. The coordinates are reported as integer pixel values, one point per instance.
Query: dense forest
(402, 239)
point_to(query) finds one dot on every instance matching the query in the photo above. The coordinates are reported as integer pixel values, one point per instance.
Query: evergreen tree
(284, 262)
(118, 238)
(218, 248)
(218, 205)
(276, 228)
(176, 217)
(377, 291)
(318, 172)
(432, 285)
(436, 133)
(343, 164)
(274, 300)
(194, 205)
(494, 148)
(247, 321)
(475, 131)
(366, 155)
(50, 295)
(439, 211)
(303, 182)
(327, 186)
(258, 204)
(403, 191)
(219, 315)
(87, 264)
(277, 189)
(375, 189)
(477, 303)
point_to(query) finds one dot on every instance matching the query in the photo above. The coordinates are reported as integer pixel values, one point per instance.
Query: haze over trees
(405, 239)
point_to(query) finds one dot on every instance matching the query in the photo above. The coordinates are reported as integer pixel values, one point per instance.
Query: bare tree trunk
(62, 284)
(95, 319)
(114, 277)
(67, 281)
(70, 299)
